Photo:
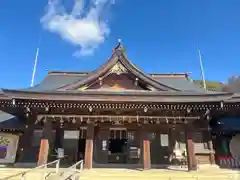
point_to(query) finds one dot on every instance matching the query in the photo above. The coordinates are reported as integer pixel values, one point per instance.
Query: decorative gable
(118, 73)
(117, 78)
(118, 69)
(118, 81)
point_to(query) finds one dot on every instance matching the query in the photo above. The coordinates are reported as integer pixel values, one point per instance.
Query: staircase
(35, 175)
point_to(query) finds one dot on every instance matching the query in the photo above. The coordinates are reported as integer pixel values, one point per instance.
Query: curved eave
(235, 98)
(145, 77)
(109, 64)
(120, 96)
(3, 96)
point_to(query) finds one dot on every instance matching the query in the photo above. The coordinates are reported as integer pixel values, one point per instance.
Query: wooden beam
(146, 151)
(88, 159)
(119, 116)
(45, 143)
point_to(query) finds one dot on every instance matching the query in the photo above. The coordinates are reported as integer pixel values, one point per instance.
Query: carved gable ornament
(118, 68)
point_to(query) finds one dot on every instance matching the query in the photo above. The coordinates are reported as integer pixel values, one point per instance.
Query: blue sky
(161, 36)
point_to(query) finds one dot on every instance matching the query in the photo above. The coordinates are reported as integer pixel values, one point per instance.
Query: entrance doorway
(117, 147)
(74, 146)
(159, 148)
(81, 144)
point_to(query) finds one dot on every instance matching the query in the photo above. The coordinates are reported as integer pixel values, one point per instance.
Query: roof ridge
(184, 73)
(67, 73)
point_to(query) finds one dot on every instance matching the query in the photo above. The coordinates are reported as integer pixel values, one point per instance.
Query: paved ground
(207, 173)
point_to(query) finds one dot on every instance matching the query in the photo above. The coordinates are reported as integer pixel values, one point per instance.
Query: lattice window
(131, 136)
(117, 134)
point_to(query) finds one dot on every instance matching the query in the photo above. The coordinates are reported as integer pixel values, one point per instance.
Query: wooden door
(101, 146)
(134, 147)
(159, 148)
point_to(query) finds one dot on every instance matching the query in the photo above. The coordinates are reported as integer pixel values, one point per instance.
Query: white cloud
(83, 26)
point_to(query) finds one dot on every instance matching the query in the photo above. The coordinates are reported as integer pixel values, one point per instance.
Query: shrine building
(116, 115)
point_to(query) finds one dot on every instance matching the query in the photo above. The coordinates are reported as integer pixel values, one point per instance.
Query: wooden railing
(72, 172)
(22, 175)
(229, 162)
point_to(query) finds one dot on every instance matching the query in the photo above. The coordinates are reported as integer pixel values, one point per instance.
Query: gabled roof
(164, 87)
(182, 83)
(57, 80)
(118, 56)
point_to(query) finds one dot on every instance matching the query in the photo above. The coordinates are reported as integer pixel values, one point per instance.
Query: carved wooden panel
(117, 82)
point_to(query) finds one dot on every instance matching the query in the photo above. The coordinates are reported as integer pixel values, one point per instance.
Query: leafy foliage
(211, 85)
(233, 85)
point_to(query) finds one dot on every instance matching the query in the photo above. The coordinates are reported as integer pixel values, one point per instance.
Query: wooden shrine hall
(116, 114)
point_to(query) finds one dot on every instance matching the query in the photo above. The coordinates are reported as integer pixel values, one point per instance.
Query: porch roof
(121, 96)
(8, 121)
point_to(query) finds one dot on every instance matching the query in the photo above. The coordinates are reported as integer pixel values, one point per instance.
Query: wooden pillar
(146, 151)
(88, 158)
(45, 143)
(172, 139)
(25, 141)
(210, 146)
(192, 163)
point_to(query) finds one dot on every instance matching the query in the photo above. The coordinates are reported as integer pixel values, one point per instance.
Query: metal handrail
(22, 174)
(73, 173)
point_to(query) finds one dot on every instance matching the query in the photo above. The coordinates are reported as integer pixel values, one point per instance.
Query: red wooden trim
(228, 162)
(146, 155)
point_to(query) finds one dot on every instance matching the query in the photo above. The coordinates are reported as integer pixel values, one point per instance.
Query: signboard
(164, 139)
(134, 152)
(60, 153)
(71, 134)
(104, 145)
(8, 147)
